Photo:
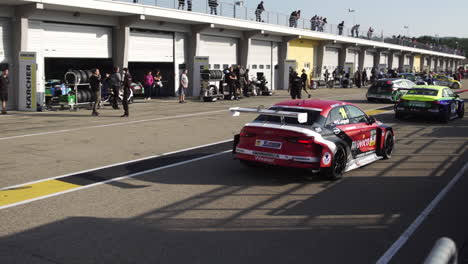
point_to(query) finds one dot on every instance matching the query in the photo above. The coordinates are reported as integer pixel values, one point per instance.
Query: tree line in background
(446, 41)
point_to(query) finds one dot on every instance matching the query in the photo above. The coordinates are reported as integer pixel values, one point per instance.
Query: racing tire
(338, 166)
(456, 86)
(461, 112)
(445, 115)
(389, 145)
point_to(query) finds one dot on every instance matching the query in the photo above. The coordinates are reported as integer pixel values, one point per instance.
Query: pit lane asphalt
(216, 211)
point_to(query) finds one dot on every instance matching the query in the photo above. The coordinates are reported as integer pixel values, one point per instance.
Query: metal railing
(245, 13)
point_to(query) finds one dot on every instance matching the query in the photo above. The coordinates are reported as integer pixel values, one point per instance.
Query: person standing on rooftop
(259, 11)
(213, 4)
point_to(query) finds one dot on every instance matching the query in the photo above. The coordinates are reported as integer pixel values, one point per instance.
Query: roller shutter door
(151, 47)
(396, 61)
(369, 62)
(407, 60)
(222, 51)
(383, 59)
(5, 41)
(352, 57)
(331, 59)
(72, 41)
(260, 58)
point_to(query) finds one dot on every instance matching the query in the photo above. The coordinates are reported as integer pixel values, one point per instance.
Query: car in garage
(388, 90)
(444, 80)
(326, 137)
(429, 100)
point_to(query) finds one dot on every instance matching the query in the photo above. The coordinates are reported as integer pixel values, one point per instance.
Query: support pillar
(320, 53)
(244, 46)
(121, 39)
(282, 57)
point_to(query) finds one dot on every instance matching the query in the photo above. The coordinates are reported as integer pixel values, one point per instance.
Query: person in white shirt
(183, 86)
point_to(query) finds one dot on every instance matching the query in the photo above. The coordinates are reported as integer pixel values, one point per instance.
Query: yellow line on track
(376, 112)
(35, 190)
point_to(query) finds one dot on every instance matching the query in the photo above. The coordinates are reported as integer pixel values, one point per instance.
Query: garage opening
(55, 68)
(139, 69)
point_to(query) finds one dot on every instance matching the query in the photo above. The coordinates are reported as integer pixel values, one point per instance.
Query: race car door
(363, 134)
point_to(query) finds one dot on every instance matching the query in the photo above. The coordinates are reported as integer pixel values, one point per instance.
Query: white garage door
(352, 56)
(369, 62)
(407, 60)
(5, 40)
(396, 61)
(433, 64)
(383, 59)
(221, 50)
(150, 47)
(260, 58)
(70, 41)
(331, 59)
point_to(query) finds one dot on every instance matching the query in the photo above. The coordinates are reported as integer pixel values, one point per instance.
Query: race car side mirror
(371, 120)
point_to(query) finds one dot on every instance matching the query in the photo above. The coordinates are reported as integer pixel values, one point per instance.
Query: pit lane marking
(401, 241)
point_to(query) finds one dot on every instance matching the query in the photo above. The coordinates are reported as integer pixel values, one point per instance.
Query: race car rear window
(423, 91)
(313, 116)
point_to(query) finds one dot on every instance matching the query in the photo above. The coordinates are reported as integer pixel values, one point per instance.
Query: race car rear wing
(301, 117)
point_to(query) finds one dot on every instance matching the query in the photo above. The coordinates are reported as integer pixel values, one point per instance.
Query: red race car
(329, 137)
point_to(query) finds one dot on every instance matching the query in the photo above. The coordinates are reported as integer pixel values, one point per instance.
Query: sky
(447, 18)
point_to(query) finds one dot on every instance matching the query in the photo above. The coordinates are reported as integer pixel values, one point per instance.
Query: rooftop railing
(232, 10)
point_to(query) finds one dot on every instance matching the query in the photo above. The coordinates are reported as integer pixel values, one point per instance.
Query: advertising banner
(27, 81)
(200, 63)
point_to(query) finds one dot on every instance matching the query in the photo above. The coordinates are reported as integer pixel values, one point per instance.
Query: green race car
(429, 100)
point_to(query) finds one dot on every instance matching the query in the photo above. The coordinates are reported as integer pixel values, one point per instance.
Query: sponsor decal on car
(366, 142)
(266, 160)
(268, 144)
(326, 159)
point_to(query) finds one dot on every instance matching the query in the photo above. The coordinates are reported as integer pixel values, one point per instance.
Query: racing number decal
(343, 113)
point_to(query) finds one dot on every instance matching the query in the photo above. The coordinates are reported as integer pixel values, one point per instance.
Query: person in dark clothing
(340, 28)
(357, 79)
(295, 83)
(4, 83)
(259, 11)
(158, 85)
(116, 83)
(189, 5)
(231, 81)
(304, 79)
(326, 76)
(293, 19)
(95, 84)
(213, 4)
(181, 4)
(364, 77)
(127, 84)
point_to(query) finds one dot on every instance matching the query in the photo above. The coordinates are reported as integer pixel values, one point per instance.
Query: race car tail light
(305, 141)
(246, 133)
(436, 102)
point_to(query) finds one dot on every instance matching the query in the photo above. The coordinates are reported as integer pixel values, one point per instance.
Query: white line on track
(116, 164)
(116, 179)
(418, 221)
(128, 123)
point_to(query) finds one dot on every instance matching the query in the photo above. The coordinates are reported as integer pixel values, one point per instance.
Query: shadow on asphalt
(286, 216)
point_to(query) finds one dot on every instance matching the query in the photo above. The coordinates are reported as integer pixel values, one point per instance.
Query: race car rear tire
(455, 86)
(461, 112)
(445, 115)
(389, 145)
(338, 166)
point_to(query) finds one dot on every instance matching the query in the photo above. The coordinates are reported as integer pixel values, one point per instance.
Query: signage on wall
(201, 63)
(27, 81)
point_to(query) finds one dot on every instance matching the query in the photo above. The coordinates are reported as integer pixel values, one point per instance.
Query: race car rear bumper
(282, 160)
(418, 111)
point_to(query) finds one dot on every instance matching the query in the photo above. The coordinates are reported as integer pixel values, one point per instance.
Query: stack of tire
(74, 77)
(212, 75)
